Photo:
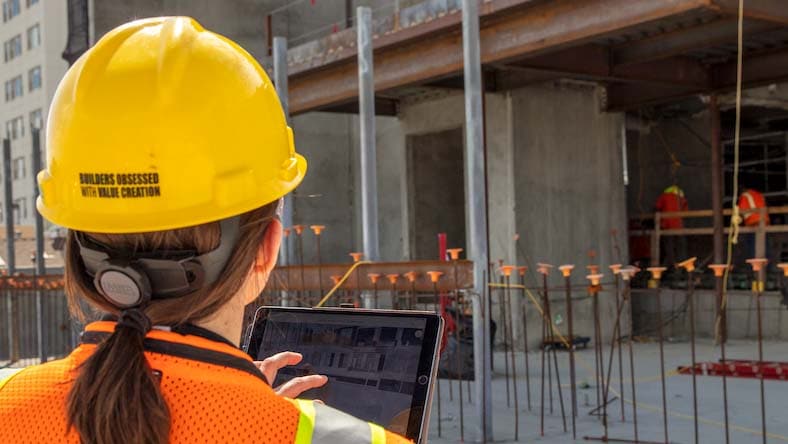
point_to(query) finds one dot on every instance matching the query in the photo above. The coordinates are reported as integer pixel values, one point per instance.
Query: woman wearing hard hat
(167, 158)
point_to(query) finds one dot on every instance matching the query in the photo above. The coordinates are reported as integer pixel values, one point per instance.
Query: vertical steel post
(719, 273)
(716, 178)
(40, 262)
(280, 82)
(10, 255)
(758, 267)
(476, 207)
(8, 208)
(366, 108)
(656, 273)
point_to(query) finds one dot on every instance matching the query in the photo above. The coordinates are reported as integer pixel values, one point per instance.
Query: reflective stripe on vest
(750, 202)
(325, 425)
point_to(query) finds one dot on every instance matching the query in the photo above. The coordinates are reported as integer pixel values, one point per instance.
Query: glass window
(34, 36)
(11, 9)
(12, 48)
(20, 210)
(15, 128)
(18, 168)
(31, 3)
(34, 78)
(36, 119)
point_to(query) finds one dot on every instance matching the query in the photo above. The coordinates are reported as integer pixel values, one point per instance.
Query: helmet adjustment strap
(130, 281)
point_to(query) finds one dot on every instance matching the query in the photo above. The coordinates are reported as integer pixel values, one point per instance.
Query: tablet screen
(378, 365)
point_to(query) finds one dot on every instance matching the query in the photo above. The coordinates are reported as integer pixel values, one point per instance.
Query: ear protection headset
(129, 282)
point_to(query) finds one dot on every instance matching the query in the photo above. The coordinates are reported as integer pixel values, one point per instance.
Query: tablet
(380, 364)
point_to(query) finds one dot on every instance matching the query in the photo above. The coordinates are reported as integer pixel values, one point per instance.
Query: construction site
(593, 195)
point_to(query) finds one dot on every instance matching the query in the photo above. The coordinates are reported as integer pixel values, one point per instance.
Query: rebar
(656, 274)
(521, 272)
(502, 317)
(507, 274)
(566, 270)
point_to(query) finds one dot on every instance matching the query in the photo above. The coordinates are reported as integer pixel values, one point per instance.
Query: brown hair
(115, 397)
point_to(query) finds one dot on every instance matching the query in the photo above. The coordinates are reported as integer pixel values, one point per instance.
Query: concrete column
(476, 208)
(366, 96)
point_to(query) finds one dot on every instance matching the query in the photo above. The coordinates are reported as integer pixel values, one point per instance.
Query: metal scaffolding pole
(476, 205)
(280, 82)
(40, 262)
(366, 109)
(10, 255)
(716, 178)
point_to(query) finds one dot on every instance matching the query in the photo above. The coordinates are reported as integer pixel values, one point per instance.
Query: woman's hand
(294, 387)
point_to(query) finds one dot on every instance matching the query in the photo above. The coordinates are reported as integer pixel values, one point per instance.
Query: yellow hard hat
(164, 125)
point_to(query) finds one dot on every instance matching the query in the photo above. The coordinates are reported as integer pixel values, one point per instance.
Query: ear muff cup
(124, 286)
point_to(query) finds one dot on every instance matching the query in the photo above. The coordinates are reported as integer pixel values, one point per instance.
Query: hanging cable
(733, 234)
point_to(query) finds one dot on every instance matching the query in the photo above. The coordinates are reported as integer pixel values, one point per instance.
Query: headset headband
(133, 281)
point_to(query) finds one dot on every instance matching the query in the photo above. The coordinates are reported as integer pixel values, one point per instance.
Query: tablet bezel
(428, 361)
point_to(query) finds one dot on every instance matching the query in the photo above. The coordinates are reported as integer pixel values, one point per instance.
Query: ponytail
(115, 397)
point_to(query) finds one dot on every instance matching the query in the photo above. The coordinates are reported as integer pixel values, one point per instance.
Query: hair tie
(135, 319)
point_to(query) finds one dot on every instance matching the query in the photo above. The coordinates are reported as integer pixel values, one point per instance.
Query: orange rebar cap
(656, 272)
(356, 256)
(286, 231)
(521, 270)
(317, 229)
(335, 278)
(784, 268)
(719, 269)
(434, 276)
(593, 269)
(298, 229)
(454, 253)
(543, 268)
(566, 270)
(374, 277)
(757, 263)
(411, 276)
(615, 268)
(688, 264)
(392, 278)
(507, 269)
(628, 271)
(595, 279)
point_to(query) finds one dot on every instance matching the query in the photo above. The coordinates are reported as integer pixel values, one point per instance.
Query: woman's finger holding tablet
(294, 387)
(270, 366)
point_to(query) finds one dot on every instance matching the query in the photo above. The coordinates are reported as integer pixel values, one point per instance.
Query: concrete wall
(569, 191)
(742, 320)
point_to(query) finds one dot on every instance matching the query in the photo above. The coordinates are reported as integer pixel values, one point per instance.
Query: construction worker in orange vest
(751, 202)
(168, 155)
(673, 247)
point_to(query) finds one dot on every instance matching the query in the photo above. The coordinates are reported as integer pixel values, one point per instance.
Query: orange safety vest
(213, 390)
(672, 199)
(750, 202)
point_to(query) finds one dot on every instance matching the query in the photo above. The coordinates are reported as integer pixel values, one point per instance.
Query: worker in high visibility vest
(168, 155)
(673, 248)
(751, 203)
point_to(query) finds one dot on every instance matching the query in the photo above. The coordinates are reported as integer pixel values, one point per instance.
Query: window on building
(36, 119)
(31, 2)
(15, 128)
(34, 78)
(20, 210)
(12, 48)
(18, 168)
(34, 36)
(13, 88)
(11, 9)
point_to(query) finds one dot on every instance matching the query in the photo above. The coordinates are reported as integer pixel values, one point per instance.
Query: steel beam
(759, 69)
(527, 30)
(366, 94)
(682, 41)
(476, 211)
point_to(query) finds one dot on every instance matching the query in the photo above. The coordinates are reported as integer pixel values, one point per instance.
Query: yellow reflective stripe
(306, 421)
(9, 378)
(377, 433)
